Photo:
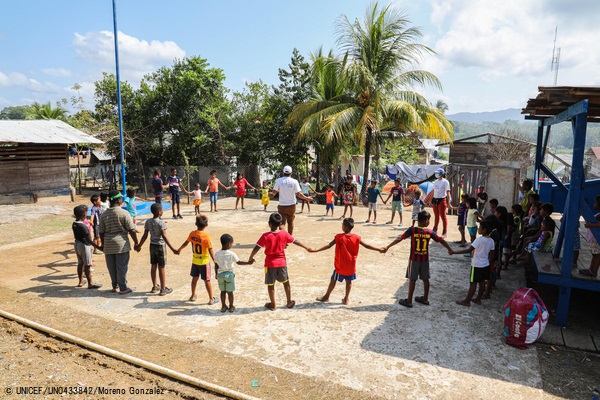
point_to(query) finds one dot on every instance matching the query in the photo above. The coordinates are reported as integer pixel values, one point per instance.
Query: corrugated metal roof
(43, 131)
(102, 155)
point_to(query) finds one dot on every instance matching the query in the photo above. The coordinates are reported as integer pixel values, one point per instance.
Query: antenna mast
(555, 57)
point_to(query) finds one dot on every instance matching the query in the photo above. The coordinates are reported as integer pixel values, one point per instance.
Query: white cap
(287, 170)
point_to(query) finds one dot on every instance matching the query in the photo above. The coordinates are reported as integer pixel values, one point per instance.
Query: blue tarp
(142, 207)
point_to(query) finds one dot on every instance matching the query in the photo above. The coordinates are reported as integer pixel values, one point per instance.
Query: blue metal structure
(123, 176)
(575, 205)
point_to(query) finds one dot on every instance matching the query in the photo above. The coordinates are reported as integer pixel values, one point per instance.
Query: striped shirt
(115, 223)
(419, 243)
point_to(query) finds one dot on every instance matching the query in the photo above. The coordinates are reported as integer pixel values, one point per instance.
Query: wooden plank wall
(33, 168)
(471, 175)
(469, 153)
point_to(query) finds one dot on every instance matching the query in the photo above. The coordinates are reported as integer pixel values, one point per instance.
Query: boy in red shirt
(274, 243)
(346, 253)
(418, 264)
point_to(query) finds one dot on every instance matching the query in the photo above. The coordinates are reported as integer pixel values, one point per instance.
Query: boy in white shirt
(224, 260)
(480, 263)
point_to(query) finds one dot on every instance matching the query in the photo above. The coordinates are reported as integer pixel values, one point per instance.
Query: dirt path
(371, 348)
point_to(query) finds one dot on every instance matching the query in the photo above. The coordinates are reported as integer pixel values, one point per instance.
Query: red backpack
(525, 318)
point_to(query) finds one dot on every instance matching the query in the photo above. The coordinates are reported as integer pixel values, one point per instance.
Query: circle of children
(502, 237)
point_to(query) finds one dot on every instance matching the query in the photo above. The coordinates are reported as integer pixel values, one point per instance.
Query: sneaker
(165, 291)
(174, 216)
(179, 216)
(400, 224)
(155, 289)
(389, 223)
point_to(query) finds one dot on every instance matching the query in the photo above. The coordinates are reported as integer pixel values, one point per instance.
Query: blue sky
(491, 55)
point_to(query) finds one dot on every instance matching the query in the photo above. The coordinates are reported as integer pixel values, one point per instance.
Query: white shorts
(84, 253)
(372, 206)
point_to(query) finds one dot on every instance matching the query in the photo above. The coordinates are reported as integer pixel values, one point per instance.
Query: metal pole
(123, 177)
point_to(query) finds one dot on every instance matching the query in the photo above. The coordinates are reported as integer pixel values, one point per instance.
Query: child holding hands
(347, 245)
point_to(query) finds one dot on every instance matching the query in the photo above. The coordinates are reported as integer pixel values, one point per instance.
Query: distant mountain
(488, 116)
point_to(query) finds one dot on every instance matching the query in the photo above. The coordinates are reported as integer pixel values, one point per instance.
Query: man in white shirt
(288, 188)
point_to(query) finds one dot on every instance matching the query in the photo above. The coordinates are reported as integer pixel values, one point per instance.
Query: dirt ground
(372, 348)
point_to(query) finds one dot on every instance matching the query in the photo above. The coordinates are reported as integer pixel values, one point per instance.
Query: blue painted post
(123, 176)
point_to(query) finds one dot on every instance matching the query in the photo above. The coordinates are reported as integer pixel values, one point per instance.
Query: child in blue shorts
(224, 260)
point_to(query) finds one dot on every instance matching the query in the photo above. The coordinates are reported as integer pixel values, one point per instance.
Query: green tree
(45, 111)
(378, 79)
(14, 112)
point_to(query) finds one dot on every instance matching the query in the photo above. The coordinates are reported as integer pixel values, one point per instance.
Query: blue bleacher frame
(574, 208)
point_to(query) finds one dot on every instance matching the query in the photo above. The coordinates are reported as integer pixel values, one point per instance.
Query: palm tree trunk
(367, 168)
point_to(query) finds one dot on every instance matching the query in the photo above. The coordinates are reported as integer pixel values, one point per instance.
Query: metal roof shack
(42, 131)
(34, 158)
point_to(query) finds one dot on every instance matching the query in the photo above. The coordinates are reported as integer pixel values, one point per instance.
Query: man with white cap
(288, 188)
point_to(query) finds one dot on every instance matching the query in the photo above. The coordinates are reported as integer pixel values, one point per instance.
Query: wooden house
(34, 158)
(592, 162)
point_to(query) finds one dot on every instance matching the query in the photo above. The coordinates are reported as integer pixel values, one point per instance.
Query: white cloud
(59, 72)
(20, 80)
(136, 57)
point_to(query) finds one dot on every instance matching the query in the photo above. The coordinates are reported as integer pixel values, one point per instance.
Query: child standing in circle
(240, 184)
(274, 243)
(129, 201)
(157, 228)
(265, 199)
(197, 198)
(202, 254)
(175, 186)
(374, 193)
(329, 196)
(417, 205)
(347, 245)
(348, 194)
(461, 218)
(418, 264)
(480, 263)
(224, 260)
(472, 217)
(305, 188)
(212, 187)
(83, 247)
(397, 194)
(104, 201)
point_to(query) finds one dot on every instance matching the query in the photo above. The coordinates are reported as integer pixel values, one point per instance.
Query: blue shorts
(472, 230)
(340, 278)
(175, 197)
(214, 196)
(329, 207)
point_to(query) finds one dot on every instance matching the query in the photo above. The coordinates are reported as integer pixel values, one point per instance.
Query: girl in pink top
(240, 184)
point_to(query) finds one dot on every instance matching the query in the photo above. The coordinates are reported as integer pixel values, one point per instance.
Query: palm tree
(377, 79)
(45, 111)
(442, 106)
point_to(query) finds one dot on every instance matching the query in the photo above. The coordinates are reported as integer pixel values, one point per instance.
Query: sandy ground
(371, 348)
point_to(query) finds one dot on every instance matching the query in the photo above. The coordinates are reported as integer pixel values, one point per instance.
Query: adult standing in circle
(288, 188)
(441, 200)
(115, 225)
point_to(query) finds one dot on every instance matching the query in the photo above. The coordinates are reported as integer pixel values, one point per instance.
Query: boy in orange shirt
(329, 195)
(201, 250)
(346, 253)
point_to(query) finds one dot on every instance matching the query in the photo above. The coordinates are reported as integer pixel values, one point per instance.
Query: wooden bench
(547, 264)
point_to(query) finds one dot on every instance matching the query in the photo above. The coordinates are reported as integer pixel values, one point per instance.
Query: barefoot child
(83, 247)
(224, 260)
(201, 250)
(418, 264)
(397, 201)
(240, 184)
(348, 194)
(212, 187)
(305, 188)
(480, 263)
(373, 192)
(346, 253)
(417, 205)
(158, 251)
(265, 191)
(274, 243)
(197, 198)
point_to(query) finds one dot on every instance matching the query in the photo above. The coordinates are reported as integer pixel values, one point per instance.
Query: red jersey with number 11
(419, 242)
